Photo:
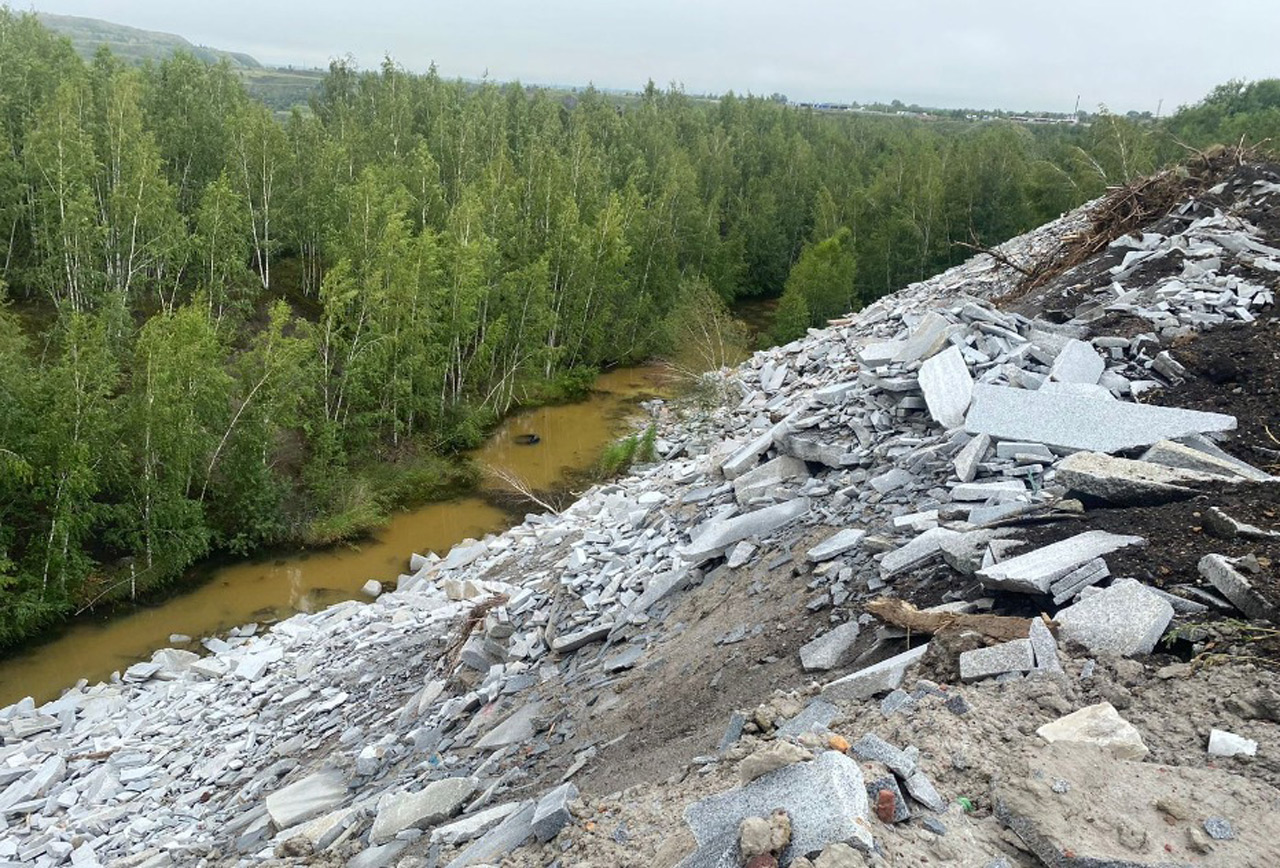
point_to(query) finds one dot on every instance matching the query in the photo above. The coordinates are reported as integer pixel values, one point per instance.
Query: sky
(1010, 54)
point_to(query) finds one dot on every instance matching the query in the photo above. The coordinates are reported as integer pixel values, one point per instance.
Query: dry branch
(902, 614)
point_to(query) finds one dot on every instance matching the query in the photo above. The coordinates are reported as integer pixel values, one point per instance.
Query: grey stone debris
(901, 810)
(1227, 527)
(711, 539)
(768, 478)
(305, 798)
(1035, 571)
(1045, 647)
(552, 812)
(928, 337)
(1124, 619)
(826, 800)
(472, 826)
(835, 545)
(516, 829)
(831, 649)
(947, 386)
(873, 748)
(1220, 571)
(814, 716)
(1075, 423)
(1077, 362)
(1078, 579)
(585, 636)
(923, 791)
(967, 459)
(1122, 481)
(1199, 460)
(433, 804)
(877, 678)
(1015, 656)
(519, 727)
(924, 548)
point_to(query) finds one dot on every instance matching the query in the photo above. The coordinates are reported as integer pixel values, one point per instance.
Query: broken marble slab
(1123, 481)
(768, 478)
(927, 338)
(947, 386)
(1035, 571)
(920, 550)
(514, 830)
(831, 649)
(1013, 656)
(433, 804)
(713, 537)
(967, 459)
(1077, 362)
(1099, 725)
(1178, 455)
(1074, 423)
(303, 799)
(1220, 571)
(826, 800)
(1124, 619)
(835, 545)
(880, 677)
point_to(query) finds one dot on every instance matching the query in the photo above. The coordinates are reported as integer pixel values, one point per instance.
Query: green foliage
(700, 333)
(618, 456)
(792, 317)
(823, 277)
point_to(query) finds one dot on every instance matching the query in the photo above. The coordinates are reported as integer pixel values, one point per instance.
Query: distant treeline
(226, 332)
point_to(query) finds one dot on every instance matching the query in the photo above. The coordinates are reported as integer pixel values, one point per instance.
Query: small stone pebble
(1219, 829)
(934, 826)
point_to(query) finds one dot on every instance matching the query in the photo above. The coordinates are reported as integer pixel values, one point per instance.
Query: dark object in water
(528, 439)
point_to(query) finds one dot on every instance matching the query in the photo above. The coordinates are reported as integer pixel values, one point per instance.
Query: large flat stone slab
(1122, 481)
(1035, 571)
(301, 800)
(1126, 618)
(712, 538)
(1105, 816)
(1075, 423)
(428, 807)
(947, 386)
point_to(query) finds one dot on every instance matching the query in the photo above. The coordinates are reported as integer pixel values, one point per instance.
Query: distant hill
(280, 89)
(132, 44)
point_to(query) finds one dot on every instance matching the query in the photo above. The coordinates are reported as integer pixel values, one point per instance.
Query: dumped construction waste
(984, 575)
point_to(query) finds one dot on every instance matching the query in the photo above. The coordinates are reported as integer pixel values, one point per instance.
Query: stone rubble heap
(906, 440)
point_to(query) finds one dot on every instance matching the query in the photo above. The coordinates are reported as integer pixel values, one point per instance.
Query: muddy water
(571, 438)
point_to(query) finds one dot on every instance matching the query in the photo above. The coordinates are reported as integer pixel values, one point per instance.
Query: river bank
(219, 597)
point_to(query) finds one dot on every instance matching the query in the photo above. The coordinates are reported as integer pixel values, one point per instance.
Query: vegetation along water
(225, 331)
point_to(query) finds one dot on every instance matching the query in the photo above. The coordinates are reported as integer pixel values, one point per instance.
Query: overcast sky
(1010, 54)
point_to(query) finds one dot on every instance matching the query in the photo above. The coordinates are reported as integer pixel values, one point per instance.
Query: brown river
(572, 438)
